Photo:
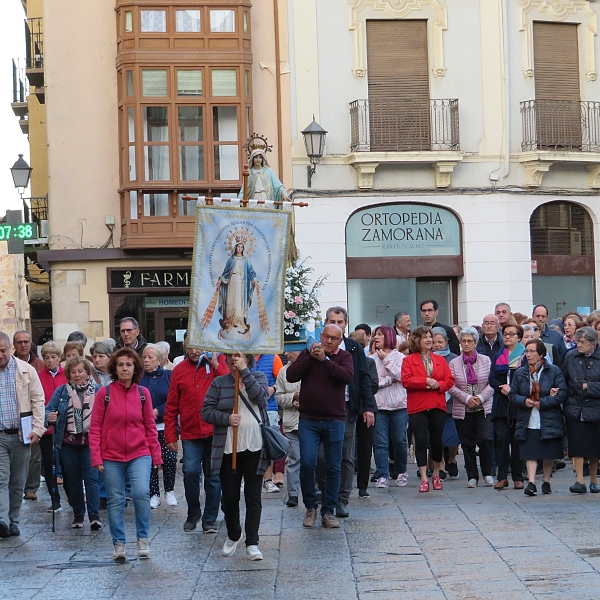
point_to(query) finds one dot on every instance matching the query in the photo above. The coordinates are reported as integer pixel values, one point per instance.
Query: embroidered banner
(238, 280)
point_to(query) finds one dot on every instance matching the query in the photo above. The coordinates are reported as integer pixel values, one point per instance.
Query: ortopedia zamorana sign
(402, 230)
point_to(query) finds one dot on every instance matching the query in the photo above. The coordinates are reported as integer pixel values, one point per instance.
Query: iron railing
(20, 83)
(404, 125)
(34, 43)
(35, 210)
(561, 125)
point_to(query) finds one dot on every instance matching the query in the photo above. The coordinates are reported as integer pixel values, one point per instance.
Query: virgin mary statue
(263, 184)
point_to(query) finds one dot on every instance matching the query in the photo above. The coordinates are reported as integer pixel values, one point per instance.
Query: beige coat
(30, 396)
(284, 394)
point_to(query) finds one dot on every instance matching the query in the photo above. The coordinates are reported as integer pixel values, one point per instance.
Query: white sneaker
(489, 481)
(382, 482)
(269, 486)
(119, 551)
(155, 502)
(402, 479)
(230, 547)
(472, 483)
(143, 548)
(253, 553)
(171, 499)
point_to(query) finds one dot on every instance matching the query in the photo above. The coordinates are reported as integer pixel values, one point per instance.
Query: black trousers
(428, 427)
(247, 463)
(47, 454)
(507, 450)
(473, 431)
(364, 450)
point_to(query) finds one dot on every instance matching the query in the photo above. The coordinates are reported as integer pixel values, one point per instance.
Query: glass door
(170, 328)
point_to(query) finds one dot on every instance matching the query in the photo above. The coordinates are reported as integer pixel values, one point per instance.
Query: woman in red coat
(426, 378)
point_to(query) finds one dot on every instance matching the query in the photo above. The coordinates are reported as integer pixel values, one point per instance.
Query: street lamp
(21, 172)
(314, 142)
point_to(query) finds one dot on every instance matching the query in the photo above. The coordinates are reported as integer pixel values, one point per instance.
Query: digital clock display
(21, 231)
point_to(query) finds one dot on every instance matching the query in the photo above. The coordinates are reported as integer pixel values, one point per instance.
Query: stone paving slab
(460, 543)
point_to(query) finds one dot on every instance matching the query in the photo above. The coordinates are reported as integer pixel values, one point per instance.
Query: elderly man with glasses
(491, 342)
(130, 336)
(324, 371)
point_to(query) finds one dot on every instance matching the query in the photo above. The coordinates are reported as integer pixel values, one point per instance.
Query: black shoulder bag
(275, 443)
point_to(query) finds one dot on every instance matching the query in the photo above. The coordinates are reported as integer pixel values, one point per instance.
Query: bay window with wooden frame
(185, 111)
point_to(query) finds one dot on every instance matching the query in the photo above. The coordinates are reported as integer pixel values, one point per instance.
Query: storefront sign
(146, 279)
(167, 302)
(403, 230)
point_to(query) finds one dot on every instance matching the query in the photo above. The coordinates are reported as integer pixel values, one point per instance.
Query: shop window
(187, 20)
(154, 21)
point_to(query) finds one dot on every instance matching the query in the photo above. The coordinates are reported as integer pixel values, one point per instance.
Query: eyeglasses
(330, 337)
(127, 330)
(510, 334)
(464, 341)
(489, 323)
(535, 328)
(24, 342)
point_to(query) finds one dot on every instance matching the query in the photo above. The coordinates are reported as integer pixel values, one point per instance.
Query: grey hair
(164, 347)
(503, 304)
(527, 328)
(439, 331)
(587, 333)
(469, 331)
(159, 352)
(337, 310)
(4, 336)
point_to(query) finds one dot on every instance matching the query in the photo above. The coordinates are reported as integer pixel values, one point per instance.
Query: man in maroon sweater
(324, 371)
(190, 382)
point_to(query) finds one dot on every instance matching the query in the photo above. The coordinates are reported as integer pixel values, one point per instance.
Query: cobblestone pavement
(458, 543)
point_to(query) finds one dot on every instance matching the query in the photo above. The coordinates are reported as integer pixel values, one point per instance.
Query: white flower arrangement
(301, 299)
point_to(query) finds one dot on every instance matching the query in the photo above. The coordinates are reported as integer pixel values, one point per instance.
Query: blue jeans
(196, 459)
(310, 434)
(77, 468)
(390, 424)
(115, 474)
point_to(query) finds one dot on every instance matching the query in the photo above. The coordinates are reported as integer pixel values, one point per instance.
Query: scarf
(534, 379)
(81, 401)
(506, 361)
(443, 352)
(570, 343)
(469, 361)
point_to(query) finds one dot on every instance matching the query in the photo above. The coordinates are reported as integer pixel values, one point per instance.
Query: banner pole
(236, 397)
(245, 175)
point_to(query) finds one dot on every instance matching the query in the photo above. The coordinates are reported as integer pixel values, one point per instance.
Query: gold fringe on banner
(262, 313)
(210, 311)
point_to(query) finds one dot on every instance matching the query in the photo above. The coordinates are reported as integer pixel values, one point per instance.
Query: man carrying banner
(325, 370)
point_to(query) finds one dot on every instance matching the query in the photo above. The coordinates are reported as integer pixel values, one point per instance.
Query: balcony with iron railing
(20, 92)
(34, 49)
(404, 130)
(35, 210)
(560, 131)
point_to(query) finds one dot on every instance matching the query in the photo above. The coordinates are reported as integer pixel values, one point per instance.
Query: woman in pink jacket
(473, 397)
(124, 442)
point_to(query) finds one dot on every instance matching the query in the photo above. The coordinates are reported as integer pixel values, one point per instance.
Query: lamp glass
(21, 172)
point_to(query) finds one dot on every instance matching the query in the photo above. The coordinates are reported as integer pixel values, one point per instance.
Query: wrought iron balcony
(35, 210)
(560, 126)
(404, 125)
(34, 48)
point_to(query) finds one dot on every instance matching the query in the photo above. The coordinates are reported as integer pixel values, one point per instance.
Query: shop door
(170, 325)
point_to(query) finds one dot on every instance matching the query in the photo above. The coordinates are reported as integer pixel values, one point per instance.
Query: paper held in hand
(26, 427)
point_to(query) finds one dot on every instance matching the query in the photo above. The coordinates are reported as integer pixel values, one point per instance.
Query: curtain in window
(154, 21)
(187, 20)
(222, 21)
(156, 129)
(224, 82)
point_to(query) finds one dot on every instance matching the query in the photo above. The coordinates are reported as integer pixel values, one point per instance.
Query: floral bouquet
(301, 299)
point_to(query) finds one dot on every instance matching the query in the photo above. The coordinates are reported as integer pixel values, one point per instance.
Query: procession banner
(238, 280)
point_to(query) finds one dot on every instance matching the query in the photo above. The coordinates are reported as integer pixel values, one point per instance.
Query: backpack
(107, 397)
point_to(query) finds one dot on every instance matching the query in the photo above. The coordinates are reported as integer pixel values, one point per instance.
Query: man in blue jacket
(547, 335)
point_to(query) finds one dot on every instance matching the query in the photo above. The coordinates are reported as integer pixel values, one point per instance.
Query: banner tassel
(210, 311)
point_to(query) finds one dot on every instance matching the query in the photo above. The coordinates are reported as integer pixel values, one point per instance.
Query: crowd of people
(517, 394)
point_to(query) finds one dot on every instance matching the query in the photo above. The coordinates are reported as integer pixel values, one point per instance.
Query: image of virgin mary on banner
(238, 280)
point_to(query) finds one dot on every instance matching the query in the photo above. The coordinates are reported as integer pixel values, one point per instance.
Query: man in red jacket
(190, 382)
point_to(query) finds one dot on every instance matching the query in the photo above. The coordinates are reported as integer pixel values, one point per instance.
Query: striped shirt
(9, 408)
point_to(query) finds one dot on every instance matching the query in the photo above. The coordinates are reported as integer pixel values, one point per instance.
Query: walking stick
(54, 485)
(236, 398)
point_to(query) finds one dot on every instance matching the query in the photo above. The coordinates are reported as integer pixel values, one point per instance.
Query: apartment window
(154, 21)
(128, 21)
(154, 83)
(189, 83)
(191, 143)
(222, 21)
(398, 83)
(187, 21)
(129, 78)
(224, 82)
(156, 205)
(131, 143)
(156, 143)
(225, 132)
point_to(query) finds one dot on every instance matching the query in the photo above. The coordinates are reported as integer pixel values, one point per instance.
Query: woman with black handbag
(251, 455)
